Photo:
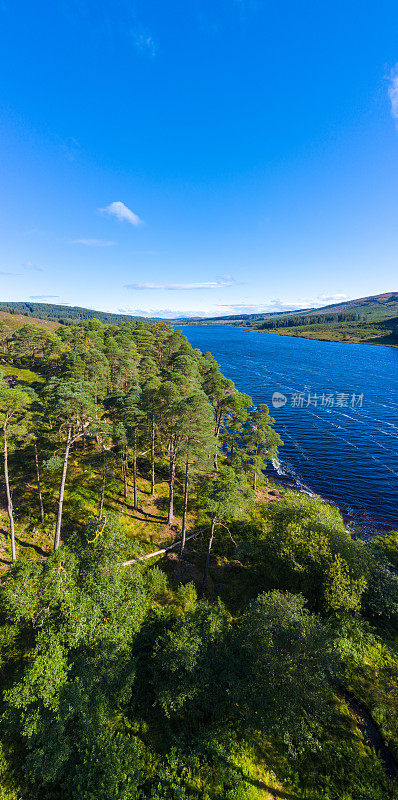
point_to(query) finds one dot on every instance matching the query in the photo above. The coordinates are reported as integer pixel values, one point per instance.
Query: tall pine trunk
(38, 483)
(217, 434)
(171, 482)
(101, 508)
(57, 538)
(153, 456)
(206, 572)
(184, 513)
(255, 472)
(9, 499)
(124, 470)
(135, 474)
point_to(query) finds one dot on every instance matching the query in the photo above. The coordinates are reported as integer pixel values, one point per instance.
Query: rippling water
(336, 444)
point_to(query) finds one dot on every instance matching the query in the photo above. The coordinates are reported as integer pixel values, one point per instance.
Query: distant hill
(368, 319)
(238, 317)
(65, 315)
(375, 307)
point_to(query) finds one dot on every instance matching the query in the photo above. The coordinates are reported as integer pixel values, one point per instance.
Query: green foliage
(14, 405)
(82, 609)
(157, 586)
(388, 543)
(120, 683)
(381, 598)
(303, 545)
(226, 494)
(65, 315)
(343, 593)
(283, 661)
(108, 766)
(185, 660)
(258, 442)
(70, 403)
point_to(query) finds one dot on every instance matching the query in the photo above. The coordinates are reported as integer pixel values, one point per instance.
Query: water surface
(338, 445)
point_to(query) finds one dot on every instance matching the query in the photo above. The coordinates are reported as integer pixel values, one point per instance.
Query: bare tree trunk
(101, 508)
(9, 499)
(135, 475)
(153, 456)
(206, 572)
(38, 483)
(217, 433)
(184, 513)
(57, 538)
(124, 469)
(171, 484)
(255, 472)
(125, 483)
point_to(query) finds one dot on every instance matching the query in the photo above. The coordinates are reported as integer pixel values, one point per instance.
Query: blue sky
(211, 156)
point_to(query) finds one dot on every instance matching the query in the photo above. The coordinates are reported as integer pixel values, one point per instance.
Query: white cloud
(393, 91)
(43, 296)
(218, 284)
(277, 304)
(93, 242)
(122, 213)
(258, 308)
(228, 309)
(165, 313)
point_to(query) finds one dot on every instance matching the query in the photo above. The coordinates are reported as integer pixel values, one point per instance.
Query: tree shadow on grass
(29, 545)
(145, 514)
(39, 550)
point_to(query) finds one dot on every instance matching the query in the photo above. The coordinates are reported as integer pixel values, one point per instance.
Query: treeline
(129, 389)
(65, 315)
(121, 684)
(314, 319)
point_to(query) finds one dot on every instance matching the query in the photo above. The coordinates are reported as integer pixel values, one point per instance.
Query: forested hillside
(173, 625)
(63, 314)
(369, 319)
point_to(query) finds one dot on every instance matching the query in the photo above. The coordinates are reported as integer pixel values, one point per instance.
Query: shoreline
(317, 338)
(289, 335)
(357, 529)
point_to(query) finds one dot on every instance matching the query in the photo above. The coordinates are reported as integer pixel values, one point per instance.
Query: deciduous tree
(226, 495)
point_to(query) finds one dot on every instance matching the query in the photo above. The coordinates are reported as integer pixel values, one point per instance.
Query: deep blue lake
(339, 421)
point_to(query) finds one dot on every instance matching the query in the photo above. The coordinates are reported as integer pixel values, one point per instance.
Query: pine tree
(72, 409)
(14, 407)
(197, 442)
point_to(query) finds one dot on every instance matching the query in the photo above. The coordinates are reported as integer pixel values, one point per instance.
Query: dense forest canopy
(64, 314)
(227, 669)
